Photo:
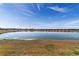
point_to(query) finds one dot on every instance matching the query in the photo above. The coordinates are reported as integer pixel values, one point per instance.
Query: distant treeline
(40, 30)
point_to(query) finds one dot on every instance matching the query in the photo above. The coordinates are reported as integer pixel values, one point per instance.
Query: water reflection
(40, 35)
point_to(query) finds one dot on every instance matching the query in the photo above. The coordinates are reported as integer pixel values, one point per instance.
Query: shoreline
(42, 39)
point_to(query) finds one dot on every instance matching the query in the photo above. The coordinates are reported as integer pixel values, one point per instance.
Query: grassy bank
(0, 33)
(38, 47)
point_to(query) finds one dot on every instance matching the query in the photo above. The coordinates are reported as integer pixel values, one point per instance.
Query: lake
(40, 35)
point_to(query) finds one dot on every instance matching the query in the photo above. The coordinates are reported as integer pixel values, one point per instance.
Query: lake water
(40, 35)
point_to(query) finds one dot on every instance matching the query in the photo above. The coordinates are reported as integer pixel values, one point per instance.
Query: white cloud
(57, 8)
(74, 22)
(1, 4)
(38, 6)
(22, 10)
(71, 24)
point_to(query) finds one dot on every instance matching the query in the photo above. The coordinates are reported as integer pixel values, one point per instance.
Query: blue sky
(39, 15)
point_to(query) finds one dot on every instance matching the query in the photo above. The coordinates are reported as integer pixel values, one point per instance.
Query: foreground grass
(38, 47)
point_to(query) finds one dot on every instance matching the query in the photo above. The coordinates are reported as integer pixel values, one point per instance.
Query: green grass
(50, 47)
(0, 33)
(76, 52)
